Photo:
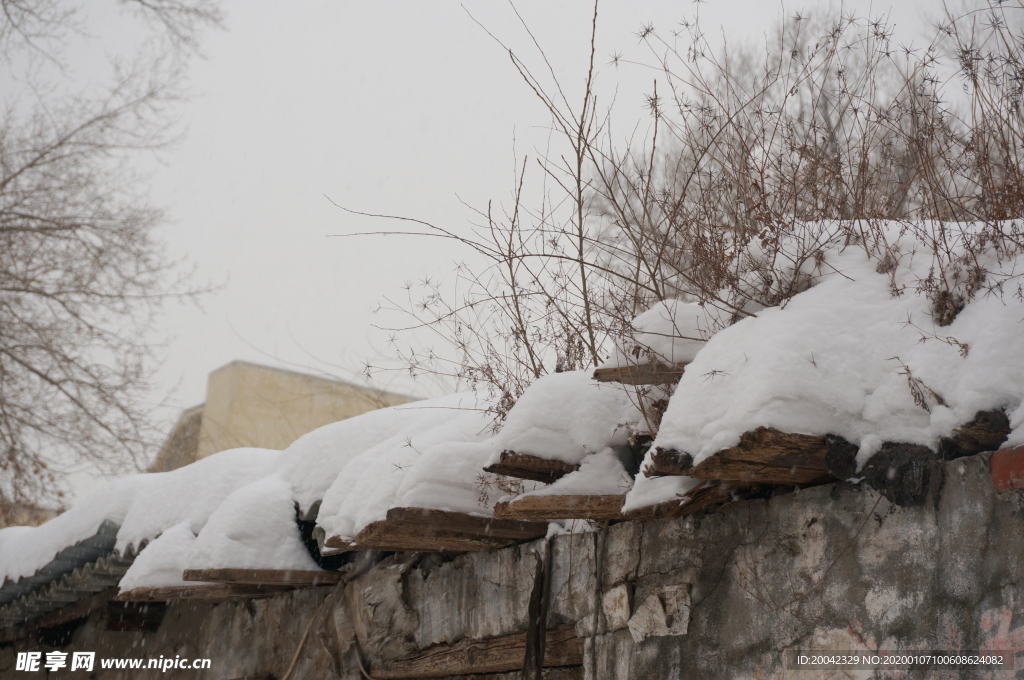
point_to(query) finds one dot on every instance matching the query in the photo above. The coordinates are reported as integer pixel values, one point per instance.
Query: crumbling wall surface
(832, 568)
(722, 594)
(253, 639)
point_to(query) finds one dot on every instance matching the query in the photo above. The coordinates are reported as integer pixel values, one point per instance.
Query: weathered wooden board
(765, 456)
(644, 374)
(468, 524)
(216, 592)
(288, 577)
(668, 463)
(525, 466)
(986, 432)
(592, 507)
(397, 536)
(494, 655)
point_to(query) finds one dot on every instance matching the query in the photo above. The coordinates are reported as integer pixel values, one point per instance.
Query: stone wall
(716, 595)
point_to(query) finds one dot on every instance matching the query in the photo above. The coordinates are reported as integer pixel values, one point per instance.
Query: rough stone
(839, 567)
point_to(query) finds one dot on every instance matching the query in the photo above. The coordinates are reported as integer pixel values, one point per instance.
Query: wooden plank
(493, 655)
(986, 432)
(723, 469)
(525, 466)
(644, 374)
(468, 524)
(765, 455)
(396, 537)
(216, 592)
(592, 507)
(668, 463)
(288, 577)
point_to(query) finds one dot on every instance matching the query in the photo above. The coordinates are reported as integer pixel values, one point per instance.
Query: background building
(264, 407)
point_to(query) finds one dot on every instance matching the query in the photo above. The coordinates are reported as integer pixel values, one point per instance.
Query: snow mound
(445, 478)
(429, 447)
(191, 493)
(144, 506)
(566, 416)
(253, 528)
(848, 357)
(600, 474)
(314, 460)
(671, 331)
(161, 563)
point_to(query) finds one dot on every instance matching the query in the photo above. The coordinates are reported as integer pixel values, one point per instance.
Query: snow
(192, 493)
(566, 416)
(445, 478)
(254, 528)
(162, 562)
(844, 357)
(144, 506)
(316, 459)
(601, 473)
(648, 491)
(671, 331)
(834, 360)
(429, 448)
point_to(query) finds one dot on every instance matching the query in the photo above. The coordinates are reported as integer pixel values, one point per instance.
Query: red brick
(1008, 469)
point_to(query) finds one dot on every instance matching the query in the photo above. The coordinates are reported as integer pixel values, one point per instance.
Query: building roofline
(337, 381)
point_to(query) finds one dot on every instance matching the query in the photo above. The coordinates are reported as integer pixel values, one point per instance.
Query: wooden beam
(396, 537)
(525, 466)
(644, 374)
(763, 456)
(592, 507)
(216, 592)
(493, 655)
(669, 463)
(468, 524)
(288, 577)
(986, 432)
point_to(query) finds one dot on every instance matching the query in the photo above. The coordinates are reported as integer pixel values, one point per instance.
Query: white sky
(393, 107)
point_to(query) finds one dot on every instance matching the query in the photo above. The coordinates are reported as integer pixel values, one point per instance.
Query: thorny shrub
(746, 177)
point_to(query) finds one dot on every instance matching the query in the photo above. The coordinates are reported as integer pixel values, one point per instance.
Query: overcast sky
(404, 108)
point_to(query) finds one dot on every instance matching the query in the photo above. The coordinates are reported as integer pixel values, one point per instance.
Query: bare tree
(754, 163)
(81, 273)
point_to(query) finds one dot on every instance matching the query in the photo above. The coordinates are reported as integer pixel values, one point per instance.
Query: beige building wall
(252, 405)
(181, 446)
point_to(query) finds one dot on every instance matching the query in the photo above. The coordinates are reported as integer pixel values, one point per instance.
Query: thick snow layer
(162, 562)
(144, 506)
(359, 463)
(192, 493)
(601, 473)
(429, 446)
(314, 460)
(671, 331)
(845, 358)
(445, 478)
(254, 528)
(566, 416)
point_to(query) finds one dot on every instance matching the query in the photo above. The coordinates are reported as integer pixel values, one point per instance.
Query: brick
(1008, 469)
